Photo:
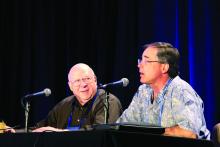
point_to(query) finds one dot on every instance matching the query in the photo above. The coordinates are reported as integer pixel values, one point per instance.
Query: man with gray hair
(164, 99)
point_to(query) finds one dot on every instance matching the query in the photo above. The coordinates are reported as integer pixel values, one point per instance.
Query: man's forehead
(150, 52)
(80, 71)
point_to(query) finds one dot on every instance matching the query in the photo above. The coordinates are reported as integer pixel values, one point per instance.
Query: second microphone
(123, 82)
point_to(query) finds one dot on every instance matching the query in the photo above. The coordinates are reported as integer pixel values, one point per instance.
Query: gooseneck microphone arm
(106, 107)
(123, 82)
(26, 106)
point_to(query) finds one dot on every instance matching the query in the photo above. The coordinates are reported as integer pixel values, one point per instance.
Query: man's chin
(142, 81)
(85, 97)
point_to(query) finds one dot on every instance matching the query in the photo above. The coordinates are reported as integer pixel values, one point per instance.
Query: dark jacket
(93, 112)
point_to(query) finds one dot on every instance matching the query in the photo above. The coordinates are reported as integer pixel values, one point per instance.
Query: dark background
(42, 39)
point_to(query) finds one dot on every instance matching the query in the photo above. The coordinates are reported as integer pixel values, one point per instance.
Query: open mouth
(85, 90)
(141, 73)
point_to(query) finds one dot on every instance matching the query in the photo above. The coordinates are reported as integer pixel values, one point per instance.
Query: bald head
(80, 68)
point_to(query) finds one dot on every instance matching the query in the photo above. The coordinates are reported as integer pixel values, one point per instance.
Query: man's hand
(179, 132)
(9, 130)
(5, 129)
(49, 129)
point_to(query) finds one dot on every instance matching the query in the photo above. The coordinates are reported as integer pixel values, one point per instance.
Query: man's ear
(95, 78)
(165, 68)
(70, 86)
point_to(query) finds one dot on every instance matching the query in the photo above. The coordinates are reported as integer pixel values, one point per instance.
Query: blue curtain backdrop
(42, 39)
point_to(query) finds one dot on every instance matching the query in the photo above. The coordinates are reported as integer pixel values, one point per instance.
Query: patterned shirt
(176, 104)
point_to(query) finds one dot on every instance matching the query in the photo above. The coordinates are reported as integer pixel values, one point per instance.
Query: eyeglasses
(147, 61)
(86, 80)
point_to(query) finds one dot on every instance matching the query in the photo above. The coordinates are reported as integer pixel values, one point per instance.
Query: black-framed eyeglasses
(147, 61)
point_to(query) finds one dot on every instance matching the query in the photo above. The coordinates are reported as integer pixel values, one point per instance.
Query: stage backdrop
(42, 39)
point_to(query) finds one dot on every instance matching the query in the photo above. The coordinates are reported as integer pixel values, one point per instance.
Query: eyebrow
(145, 56)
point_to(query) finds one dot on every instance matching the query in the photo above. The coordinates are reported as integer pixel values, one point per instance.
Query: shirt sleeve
(132, 114)
(50, 120)
(187, 110)
(115, 109)
(57, 117)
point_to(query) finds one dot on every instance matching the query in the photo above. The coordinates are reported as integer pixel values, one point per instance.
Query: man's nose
(82, 83)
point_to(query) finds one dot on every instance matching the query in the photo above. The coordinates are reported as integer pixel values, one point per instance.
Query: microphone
(45, 92)
(123, 82)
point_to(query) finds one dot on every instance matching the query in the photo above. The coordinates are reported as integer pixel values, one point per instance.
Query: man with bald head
(85, 107)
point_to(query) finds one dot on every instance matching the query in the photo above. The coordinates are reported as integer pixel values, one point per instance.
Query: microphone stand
(106, 107)
(27, 108)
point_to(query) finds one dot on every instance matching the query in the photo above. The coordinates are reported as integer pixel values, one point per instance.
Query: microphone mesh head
(125, 82)
(47, 91)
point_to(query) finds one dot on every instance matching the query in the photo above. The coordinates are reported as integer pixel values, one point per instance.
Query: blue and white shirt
(176, 104)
